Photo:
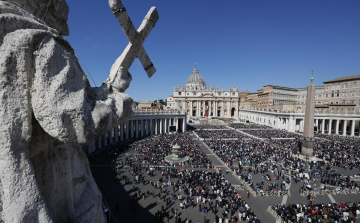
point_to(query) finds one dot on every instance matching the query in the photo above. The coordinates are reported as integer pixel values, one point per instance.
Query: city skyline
(248, 44)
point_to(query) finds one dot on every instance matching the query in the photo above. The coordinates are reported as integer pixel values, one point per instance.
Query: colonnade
(138, 127)
(343, 125)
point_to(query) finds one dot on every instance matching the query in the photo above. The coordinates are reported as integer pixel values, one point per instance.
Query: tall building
(200, 100)
(342, 95)
(278, 98)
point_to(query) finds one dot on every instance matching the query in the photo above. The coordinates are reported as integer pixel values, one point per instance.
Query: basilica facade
(197, 99)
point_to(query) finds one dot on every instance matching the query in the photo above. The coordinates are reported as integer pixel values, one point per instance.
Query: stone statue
(48, 110)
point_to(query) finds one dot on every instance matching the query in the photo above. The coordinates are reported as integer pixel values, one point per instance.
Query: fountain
(176, 156)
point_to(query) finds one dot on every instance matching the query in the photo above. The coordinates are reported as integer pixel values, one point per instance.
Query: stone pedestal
(307, 146)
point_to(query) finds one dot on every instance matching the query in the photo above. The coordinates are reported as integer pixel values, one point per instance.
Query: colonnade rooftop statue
(308, 135)
(48, 110)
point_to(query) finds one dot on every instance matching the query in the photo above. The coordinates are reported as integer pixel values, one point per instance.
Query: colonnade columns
(352, 131)
(156, 126)
(337, 127)
(131, 128)
(166, 125)
(122, 132)
(104, 139)
(161, 126)
(323, 126)
(110, 137)
(344, 128)
(127, 129)
(137, 128)
(116, 132)
(93, 146)
(142, 128)
(151, 127)
(98, 140)
(330, 126)
(291, 124)
(146, 126)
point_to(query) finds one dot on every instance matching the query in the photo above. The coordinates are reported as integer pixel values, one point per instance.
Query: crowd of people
(207, 126)
(277, 161)
(154, 150)
(205, 190)
(248, 126)
(335, 212)
(219, 134)
(269, 134)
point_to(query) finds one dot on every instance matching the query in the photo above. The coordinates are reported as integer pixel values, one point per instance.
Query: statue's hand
(119, 79)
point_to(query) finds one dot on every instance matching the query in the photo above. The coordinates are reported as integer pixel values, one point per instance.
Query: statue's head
(53, 12)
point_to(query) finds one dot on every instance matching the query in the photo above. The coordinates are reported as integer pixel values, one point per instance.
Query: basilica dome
(195, 79)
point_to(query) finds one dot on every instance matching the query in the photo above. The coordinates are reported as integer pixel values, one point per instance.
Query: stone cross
(136, 37)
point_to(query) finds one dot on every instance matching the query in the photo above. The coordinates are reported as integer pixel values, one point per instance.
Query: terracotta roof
(346, 78)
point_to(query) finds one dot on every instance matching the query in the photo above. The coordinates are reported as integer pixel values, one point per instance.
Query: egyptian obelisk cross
(136, 38)
(308, 135)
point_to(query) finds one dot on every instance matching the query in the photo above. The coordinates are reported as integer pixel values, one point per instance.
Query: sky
(246, 43)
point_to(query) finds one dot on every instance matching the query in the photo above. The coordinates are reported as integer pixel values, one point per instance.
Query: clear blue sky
(246, 43)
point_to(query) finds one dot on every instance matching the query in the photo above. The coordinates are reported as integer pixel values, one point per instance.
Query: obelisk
(308, 135)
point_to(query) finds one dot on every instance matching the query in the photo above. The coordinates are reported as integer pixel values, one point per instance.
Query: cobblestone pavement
(118, 193)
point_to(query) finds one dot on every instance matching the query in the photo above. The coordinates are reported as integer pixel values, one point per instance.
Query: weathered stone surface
(47, 111)
(308, 135)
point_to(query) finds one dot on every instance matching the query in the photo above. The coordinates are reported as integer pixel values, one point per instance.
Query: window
(353, 84)
(344, 101)
(179, 93)
(326, 95)
(333, 87)
(344, 93)
(332, 102)
(338, 86)
(337, 93)
(352, 101)
(353, 93)
(327, 87)
(332, 110)
(345, 86)
(187, 93)
(337, 102)
(332, 94)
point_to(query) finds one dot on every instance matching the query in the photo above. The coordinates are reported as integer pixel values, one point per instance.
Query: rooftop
(346, 78)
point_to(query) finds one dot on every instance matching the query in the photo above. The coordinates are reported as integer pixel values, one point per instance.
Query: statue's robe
(47, 111)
